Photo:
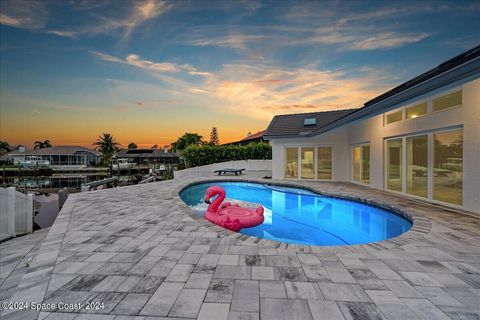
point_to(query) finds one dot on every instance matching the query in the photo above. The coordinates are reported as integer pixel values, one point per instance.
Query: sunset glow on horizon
(149, 71)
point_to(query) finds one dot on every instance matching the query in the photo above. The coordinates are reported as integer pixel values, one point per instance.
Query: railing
(148, 179)
(92, 185)
(16, 213)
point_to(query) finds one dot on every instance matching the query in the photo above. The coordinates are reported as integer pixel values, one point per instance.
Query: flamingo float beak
(207, 199)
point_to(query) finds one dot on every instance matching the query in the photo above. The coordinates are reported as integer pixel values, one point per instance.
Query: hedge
(194, 156)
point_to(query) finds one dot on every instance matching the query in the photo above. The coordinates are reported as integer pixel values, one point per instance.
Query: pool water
(299, 216)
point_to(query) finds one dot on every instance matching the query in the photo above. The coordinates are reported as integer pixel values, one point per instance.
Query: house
(57, 155)
(148, 156)
(250, 138)
(420, 139)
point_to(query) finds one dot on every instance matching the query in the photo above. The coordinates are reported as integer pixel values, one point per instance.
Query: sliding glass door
(428, 166)
(308, 162)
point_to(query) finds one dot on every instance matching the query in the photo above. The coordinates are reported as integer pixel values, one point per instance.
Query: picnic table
(225, 171)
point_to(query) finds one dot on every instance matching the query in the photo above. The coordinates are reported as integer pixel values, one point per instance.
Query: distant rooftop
(254, 136)
(145, 153)
(55, 150)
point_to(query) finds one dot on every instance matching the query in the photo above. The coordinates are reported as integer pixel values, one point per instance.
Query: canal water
(45, 191)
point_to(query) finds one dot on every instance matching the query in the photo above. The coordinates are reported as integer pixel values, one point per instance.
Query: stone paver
(144, 253)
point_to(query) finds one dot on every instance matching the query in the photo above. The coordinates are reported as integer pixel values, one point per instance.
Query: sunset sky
(148, 71)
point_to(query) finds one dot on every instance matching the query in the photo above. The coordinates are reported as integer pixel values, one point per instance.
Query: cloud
(155, 67)
(262, 91)
(264, 40)
(388, 40)
(237, 41)
(258, 90)
(25, 14)
(140, 13)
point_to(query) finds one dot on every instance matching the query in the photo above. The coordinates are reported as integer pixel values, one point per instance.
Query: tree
(42, 144)
(155, 146)
(132, 146)
(186, 140)
(214, 137)
(4, 147)
(107, 146)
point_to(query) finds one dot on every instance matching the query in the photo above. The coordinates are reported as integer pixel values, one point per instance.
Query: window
(394, 164)
(291, 162)
(394, 117)
(324, 170)
(447, 101)
(416, 110)
(361, 163)
(448, 166)
(417, 165)
(308, 169)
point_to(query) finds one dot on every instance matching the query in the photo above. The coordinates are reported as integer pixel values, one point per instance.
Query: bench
(225, 171)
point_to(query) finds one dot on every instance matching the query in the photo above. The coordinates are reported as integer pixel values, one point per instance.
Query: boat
(122, 163)
(34, 162)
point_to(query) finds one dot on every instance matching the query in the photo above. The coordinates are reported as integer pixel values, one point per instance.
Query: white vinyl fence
(16, 213)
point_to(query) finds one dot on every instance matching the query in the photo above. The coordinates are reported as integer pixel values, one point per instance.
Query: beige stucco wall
(373, 131)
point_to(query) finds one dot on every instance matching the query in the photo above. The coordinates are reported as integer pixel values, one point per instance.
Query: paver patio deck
(141, 252)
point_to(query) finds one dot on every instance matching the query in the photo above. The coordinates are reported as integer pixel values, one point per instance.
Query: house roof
(292, 125)
(56, 150)
(145, 153)
(460, 67)
(254, 136)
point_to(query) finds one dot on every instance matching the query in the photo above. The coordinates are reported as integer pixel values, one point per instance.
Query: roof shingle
(289, 125)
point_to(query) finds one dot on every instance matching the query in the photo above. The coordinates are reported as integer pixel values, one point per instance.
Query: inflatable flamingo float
(228, 216)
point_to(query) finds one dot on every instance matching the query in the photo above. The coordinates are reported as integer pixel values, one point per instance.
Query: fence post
(62, 197)
(29, 216)
(11, 211)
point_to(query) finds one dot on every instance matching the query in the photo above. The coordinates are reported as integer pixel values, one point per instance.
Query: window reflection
(448, 166)
(417, 164)
(291, 162)
(356, 163)
(307, 163)
(324, 163)
(394, 164)
(366, 163)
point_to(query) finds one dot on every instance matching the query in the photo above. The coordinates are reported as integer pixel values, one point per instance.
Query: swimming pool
(299, 216)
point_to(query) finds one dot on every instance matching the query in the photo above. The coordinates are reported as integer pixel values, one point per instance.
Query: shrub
(194, 156)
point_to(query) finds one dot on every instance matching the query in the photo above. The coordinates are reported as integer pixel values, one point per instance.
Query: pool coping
(420, 224)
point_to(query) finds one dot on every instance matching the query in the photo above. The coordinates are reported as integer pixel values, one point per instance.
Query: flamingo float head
(212, 192)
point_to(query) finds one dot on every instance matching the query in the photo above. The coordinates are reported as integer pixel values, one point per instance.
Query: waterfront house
(72, 156)
(148, 156)
(420, 139)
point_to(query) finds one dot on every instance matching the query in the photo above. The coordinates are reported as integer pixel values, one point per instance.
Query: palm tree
(4, 147)
(42, 144)
(186, 140)
(107, 146)
(132, 146)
